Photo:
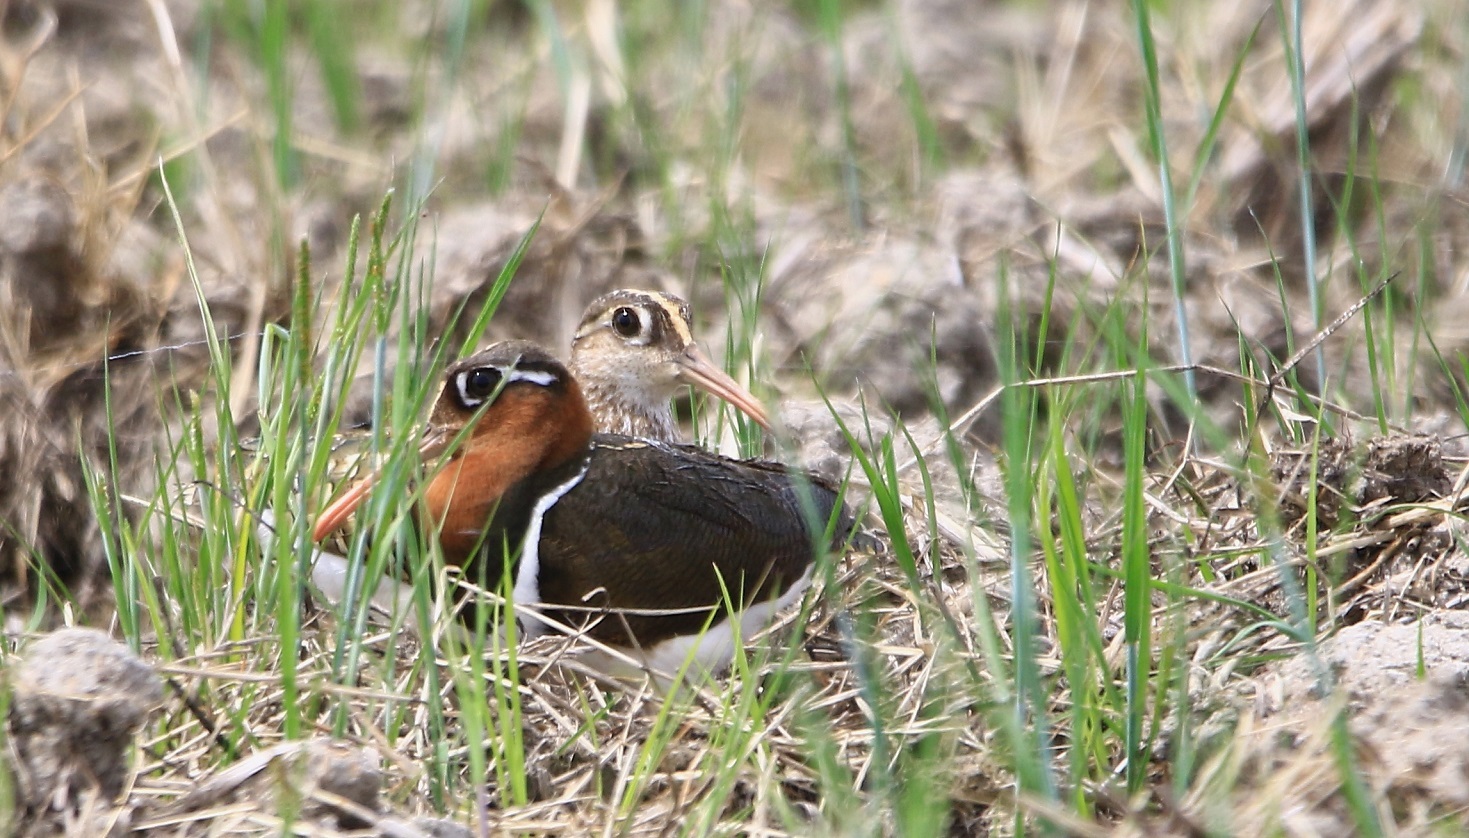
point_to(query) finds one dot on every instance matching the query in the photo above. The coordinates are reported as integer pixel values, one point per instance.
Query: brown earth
(1034, 111)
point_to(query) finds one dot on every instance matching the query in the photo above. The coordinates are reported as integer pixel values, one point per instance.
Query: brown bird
(604, 531)
(632, 352)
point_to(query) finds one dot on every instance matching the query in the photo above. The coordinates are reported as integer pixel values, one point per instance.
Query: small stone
(80, 698)
(299, 772)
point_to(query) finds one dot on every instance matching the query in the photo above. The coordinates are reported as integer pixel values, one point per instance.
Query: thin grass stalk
(839, 801)
(498, 289)
(1291, 36)
(741, 724)
(177, 569)
(1423, 289)
(332, 45)
(905, 785)
(395, 425)
(1067, 630)
(1461, 402)
(931, 155)
(224, 541)
(125, 589)
(856, 635)
(1210, 140)
(830, 18)
(1380, 341)
(9, 799)
(1359, 798)
(1158, 145)
(1288, 429)
(111, 523)
(497, 627)
(211, 590)
(48, 585)
(376, 301)
(1082, 649)
(1028, 711)
(428, 144)
(1313, 537)
(1138, 576)
(930, 508)
(274, 37)
(631, 785)
(742, 281)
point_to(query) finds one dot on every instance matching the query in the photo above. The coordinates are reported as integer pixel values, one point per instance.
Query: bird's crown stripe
(541, 377)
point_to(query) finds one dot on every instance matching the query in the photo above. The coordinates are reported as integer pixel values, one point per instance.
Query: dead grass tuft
(67, 303)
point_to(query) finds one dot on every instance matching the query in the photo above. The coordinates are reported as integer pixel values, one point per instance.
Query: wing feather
(658, 526)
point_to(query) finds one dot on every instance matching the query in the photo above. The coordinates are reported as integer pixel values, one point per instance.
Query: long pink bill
(339, 510)
(695, 368)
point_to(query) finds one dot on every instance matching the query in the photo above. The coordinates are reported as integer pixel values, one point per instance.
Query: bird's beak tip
(697, 369)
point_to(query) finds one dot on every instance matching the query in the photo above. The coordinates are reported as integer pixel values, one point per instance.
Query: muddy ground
(1028, 162)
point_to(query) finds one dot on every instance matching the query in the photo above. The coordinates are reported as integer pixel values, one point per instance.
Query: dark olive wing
(659, 526)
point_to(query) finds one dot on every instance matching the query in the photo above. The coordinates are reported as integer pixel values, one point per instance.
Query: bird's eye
(478, 385)
(625, 322)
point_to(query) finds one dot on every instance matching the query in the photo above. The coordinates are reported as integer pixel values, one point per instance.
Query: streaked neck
(615, 412)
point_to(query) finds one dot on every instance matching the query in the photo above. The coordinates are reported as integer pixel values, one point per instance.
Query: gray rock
(79, 700)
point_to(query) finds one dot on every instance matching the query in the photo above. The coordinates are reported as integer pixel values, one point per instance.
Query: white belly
(706, 653)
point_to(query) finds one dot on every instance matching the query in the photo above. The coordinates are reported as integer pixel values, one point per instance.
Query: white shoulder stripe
(527, 574)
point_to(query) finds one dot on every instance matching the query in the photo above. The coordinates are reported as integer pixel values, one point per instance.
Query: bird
(636, 543)
(632, 351)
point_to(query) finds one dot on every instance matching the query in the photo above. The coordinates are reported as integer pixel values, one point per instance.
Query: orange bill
(339, 510)
(695, 368)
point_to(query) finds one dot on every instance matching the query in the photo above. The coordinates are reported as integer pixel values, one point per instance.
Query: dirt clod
(329, 784)
(1398, 468)
(79, 700)
(1404, 690)
(1405, 469)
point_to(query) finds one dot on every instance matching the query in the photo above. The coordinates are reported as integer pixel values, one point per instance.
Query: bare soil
(1043, 173)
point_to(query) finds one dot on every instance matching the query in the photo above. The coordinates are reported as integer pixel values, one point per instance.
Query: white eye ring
(461, 382)
(503, 379)
(641, 317)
